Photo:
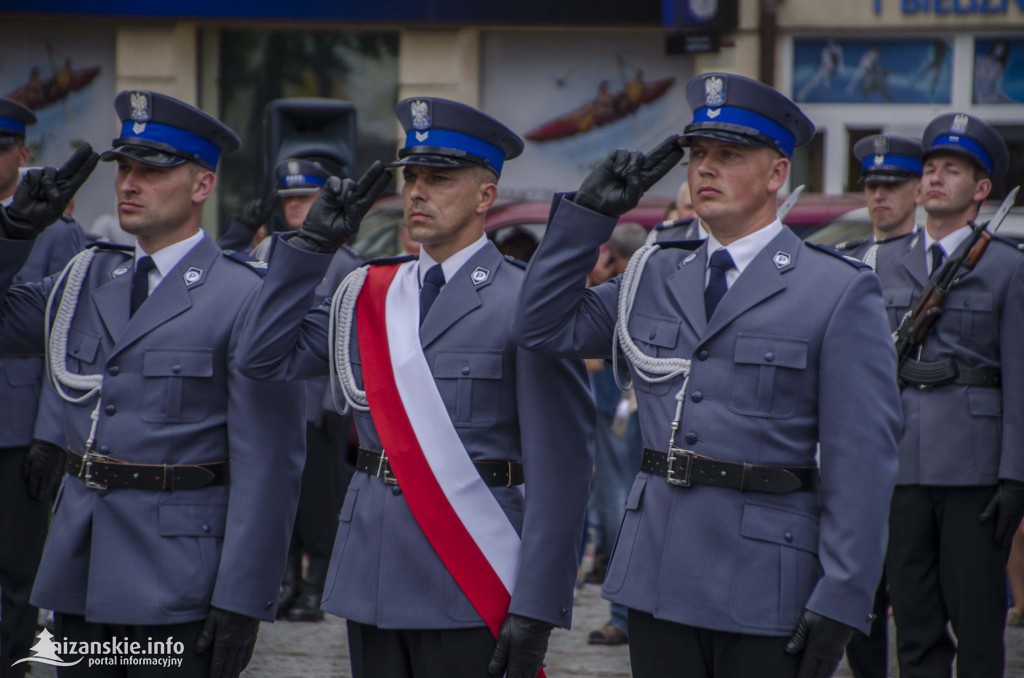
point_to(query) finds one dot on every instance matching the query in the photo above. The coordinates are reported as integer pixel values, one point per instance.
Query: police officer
(891, 175)
(438, 547)
(326, 474)
(960, 489)
(28, 466)
(736, 557)
(182, 477)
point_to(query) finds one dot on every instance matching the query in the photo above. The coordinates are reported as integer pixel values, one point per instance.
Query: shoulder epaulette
(257, 266)
(391, 261)
(856, 263)
(111, 246)
(1009, 241)
(688, 245)
(671, 223)
(515, 262)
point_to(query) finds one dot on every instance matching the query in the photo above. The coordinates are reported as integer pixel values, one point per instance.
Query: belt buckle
(85, 473)
(384, 470)
(675, 453)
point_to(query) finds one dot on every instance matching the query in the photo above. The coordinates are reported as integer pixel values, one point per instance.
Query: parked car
(856, 225)
(512, 223)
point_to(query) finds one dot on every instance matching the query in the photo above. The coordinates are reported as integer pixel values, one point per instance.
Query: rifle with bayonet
(918, 321)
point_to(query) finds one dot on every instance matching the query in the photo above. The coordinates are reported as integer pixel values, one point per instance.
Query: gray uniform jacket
(798, 353)
(958, 434)
(505, 404)
(172, 393)
(20, 385)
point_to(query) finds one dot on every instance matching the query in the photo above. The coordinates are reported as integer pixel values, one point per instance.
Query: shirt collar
(949, 243)
(169, 257)
(453, 263)
(746, 248)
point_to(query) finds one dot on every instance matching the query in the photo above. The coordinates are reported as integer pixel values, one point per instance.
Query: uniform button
(76, 349)
(103, 492)
(110, 410)
(114, 370)
(175, 368)
(702, 355)
(396, 490)
(654, 333)
(206, 527)
(269, 604)
(697, 396)
(788, 537)
(967, 302)
(465, 370)
(691, 438)
(769, 356)
(104, 450)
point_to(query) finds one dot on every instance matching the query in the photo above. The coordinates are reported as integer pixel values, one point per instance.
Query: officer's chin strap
(56, 339)
(339, 342)
(649, 368)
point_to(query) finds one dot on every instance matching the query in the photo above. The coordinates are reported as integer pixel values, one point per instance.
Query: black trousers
(23, 525)
(325, 478)
(415, 653)
(663, 649)
(868, 655)
(943, 565)
(119, 664)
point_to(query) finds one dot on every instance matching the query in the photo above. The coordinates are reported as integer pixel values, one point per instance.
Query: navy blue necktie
(721, 262)
(433, 281)
(938, 256)
(140, 282)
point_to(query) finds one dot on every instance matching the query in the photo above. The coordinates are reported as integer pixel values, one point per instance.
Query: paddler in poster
(465, 521)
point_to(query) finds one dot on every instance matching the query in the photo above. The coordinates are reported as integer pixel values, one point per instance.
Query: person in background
(29, 465)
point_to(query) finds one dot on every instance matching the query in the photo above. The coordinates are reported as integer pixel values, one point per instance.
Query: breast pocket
(767, 375)
(654, 337)
(470, 384)
(81, 351)
(897, 303)
(972, 314)
(177, 384)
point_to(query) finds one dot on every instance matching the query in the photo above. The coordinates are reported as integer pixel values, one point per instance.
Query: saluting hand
(616, 185)
(334, 218)
(43, 194)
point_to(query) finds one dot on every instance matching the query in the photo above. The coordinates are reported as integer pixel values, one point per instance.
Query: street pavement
(319, 650)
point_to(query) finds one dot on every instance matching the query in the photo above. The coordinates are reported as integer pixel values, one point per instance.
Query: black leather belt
(101, 473)
(684, 468)
(494, 473)
(928, 374)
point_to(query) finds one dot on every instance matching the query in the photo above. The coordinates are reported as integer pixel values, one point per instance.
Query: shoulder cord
(871, 256)
(339, 342)
(648, 368)
(56, 338)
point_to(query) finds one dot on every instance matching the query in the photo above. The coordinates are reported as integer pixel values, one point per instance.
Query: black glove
(233, 637)
(822, 641)
(1007, 507)
(522, 644)
(334, 218)
(256, 212)
(43, 465)
(615, 186)
(43, 194)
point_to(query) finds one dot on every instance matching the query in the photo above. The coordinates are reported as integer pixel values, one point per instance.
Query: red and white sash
(451, 503)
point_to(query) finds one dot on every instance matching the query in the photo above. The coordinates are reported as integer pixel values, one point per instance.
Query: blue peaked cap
(296, 176)
(888, 158)
(448, 133)
(160, 130)
(971, 137)
(14, 119)
(740, 110)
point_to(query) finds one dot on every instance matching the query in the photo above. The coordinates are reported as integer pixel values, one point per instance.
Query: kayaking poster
(574, 98)
(65, 74)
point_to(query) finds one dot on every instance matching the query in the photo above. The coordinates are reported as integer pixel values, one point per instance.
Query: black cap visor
(734, 134)
(150, 153)
(439, 157)
(887, 177)
(8, 138)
